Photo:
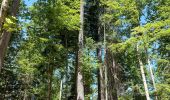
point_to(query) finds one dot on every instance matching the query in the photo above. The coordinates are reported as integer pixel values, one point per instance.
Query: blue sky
(29, 2)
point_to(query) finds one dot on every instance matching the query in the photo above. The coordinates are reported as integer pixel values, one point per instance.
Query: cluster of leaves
(10, 24)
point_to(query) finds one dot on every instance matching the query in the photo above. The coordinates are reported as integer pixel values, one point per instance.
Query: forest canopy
(85, 50)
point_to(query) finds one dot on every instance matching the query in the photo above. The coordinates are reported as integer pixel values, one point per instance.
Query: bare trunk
(79, 79)
(80, 87)
(112, 76)
(3, 46)
(102, 83)
(3, 12)
(101, 70)
(5, 36)
(61, 84)
(106, 86)
(143, 75)
(152, 77)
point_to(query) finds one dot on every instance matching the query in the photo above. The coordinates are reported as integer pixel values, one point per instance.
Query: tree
(79, 76)
(92, 49)
(3, 12)
(5, 36)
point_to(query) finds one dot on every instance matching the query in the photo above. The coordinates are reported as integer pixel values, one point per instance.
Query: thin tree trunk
(61, 84)
(79, 82)
(152, 77)
(106, 83)
(143, 75)
(5, 37)
(102, 83)
(106, 92)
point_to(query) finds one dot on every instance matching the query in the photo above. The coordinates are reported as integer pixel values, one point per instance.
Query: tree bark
(79, 79)
(5, 37)
(106, 71)
(143, 75)
(112, 72)
(101, 69)
(3, 12)
(101, 81)
(61, 84)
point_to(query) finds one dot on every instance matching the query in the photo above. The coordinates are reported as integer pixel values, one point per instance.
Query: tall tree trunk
(106, 76)
(5, 37)
(152, 77)
(101, 69)
(79, 79)
(3, 46)
(101, 81)
(3, 12)
(143, 75)
(112, 72)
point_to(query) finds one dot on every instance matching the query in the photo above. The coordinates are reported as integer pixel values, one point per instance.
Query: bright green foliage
(120, 17)
(43, 47)
(10, 24)
(46, 48)
(147, 36)
(124, 12)
(125, 21)
(45, 32)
